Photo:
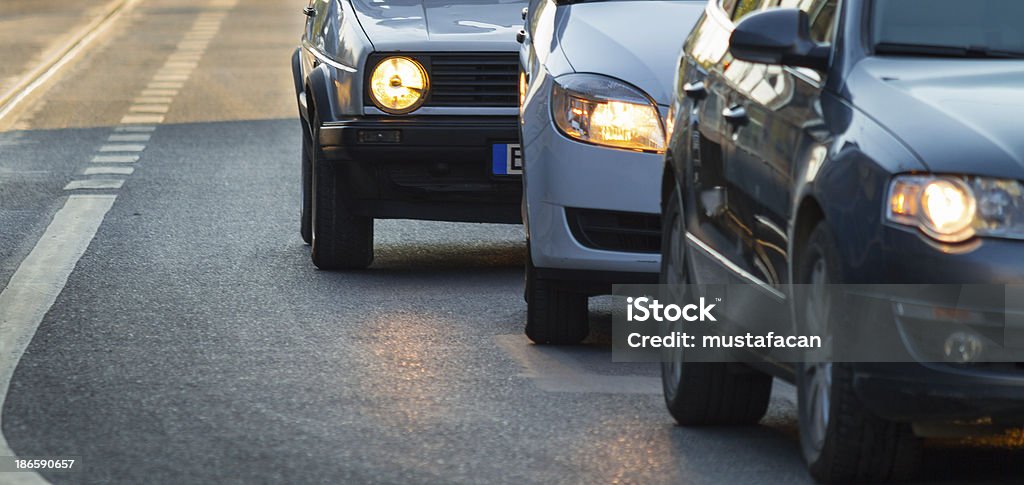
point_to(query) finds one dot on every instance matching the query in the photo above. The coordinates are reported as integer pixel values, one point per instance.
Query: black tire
(846, 443)
(306, 211)
(553, 315)
(340, 239)
(704, 393)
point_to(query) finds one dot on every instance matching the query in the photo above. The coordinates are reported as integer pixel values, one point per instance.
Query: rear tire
(341, 240)
(704, 393)
(553, 315)
(840, 439)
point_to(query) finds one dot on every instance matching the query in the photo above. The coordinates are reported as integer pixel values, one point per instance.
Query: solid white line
(141, 119)
(131, 137)
(115, 159)
(44, 74)
(149, 108)
(123, 147)
(35, 286)
(99, 184)
(109, 171)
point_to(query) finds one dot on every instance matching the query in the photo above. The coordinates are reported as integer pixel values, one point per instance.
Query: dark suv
(850, 142)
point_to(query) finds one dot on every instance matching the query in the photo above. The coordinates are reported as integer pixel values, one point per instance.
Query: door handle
(736, 115)
(695, 90)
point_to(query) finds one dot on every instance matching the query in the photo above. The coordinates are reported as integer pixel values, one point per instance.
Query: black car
(409, 111)
(849, 142)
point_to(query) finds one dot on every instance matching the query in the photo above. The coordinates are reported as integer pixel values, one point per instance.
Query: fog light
(380, 136)
(962, 347)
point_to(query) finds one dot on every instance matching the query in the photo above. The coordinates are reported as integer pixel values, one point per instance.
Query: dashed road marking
(130, 137)
(141, 119)
(115, 158)
(109, 171)
(96, 184)
(153, 100)
(122, 147)
(165, 85)
(149, 108)
(136, 128)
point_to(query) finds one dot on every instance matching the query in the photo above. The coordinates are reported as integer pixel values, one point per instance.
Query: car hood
(637, 41)
(957, 115)
(441, 25)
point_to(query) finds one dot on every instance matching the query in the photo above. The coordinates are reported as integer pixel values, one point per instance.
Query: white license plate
(506, 159)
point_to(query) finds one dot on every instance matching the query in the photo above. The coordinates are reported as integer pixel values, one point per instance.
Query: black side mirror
(778, 36)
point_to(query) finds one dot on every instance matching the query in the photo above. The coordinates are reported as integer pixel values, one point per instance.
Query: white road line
(115, 159)
(170, 77)
(149, 108)
(165, 85)
(99, 184)
(153, 100)
(141, 119)
(159, 92)
(122, 147)
(109, 171)
(188, 65)
(35, 286)
(136, 128)
(130, 137)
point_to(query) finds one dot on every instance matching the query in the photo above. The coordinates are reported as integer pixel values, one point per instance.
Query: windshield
(963, 28)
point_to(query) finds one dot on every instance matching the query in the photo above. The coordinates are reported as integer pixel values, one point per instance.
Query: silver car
(596, 86)
(408, 110)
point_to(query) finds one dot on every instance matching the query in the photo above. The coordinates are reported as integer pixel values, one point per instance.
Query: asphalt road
(194, 342)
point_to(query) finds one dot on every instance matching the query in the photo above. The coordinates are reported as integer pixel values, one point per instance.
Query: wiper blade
(971, 52)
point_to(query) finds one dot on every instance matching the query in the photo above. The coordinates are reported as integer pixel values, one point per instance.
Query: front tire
(703, 393)
(306, 211)
(839, 438)
(553, 315)
(341, 240)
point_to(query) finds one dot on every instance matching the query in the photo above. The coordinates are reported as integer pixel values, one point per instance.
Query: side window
(728, 6)
(744, 7)
(822, 14)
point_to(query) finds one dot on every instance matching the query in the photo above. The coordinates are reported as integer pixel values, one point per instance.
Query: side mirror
(778, 36)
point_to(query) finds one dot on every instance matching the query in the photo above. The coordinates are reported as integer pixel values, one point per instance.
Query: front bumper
(942, 392)
(988, 273)
(589, 208)
(426, 167)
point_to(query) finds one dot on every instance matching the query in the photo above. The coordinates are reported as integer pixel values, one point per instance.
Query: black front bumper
(426, 167)
(942, 392)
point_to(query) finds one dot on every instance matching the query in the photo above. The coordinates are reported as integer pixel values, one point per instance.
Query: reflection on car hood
(441, 25)
(958, 115)
(636, 41)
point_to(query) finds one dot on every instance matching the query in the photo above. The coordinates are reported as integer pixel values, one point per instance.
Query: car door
(726, 142)
(795, 141)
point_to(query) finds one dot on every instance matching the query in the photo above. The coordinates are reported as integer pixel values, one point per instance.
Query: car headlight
(955, 209)
(603, 111)
(398, 85)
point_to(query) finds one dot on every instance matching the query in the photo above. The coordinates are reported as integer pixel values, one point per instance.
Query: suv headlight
(955, 209)
(604, 111)
(398, 85)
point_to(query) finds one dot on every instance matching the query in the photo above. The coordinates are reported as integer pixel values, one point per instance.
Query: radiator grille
(475, 80)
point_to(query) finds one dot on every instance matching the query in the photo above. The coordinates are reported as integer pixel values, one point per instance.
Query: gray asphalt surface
(196, 343)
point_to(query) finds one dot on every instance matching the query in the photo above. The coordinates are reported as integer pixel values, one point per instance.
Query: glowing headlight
(398, 85)
(604, 111)
(954, 209)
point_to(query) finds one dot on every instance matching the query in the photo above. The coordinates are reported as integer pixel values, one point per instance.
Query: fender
(318, 95)
(300, 94)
